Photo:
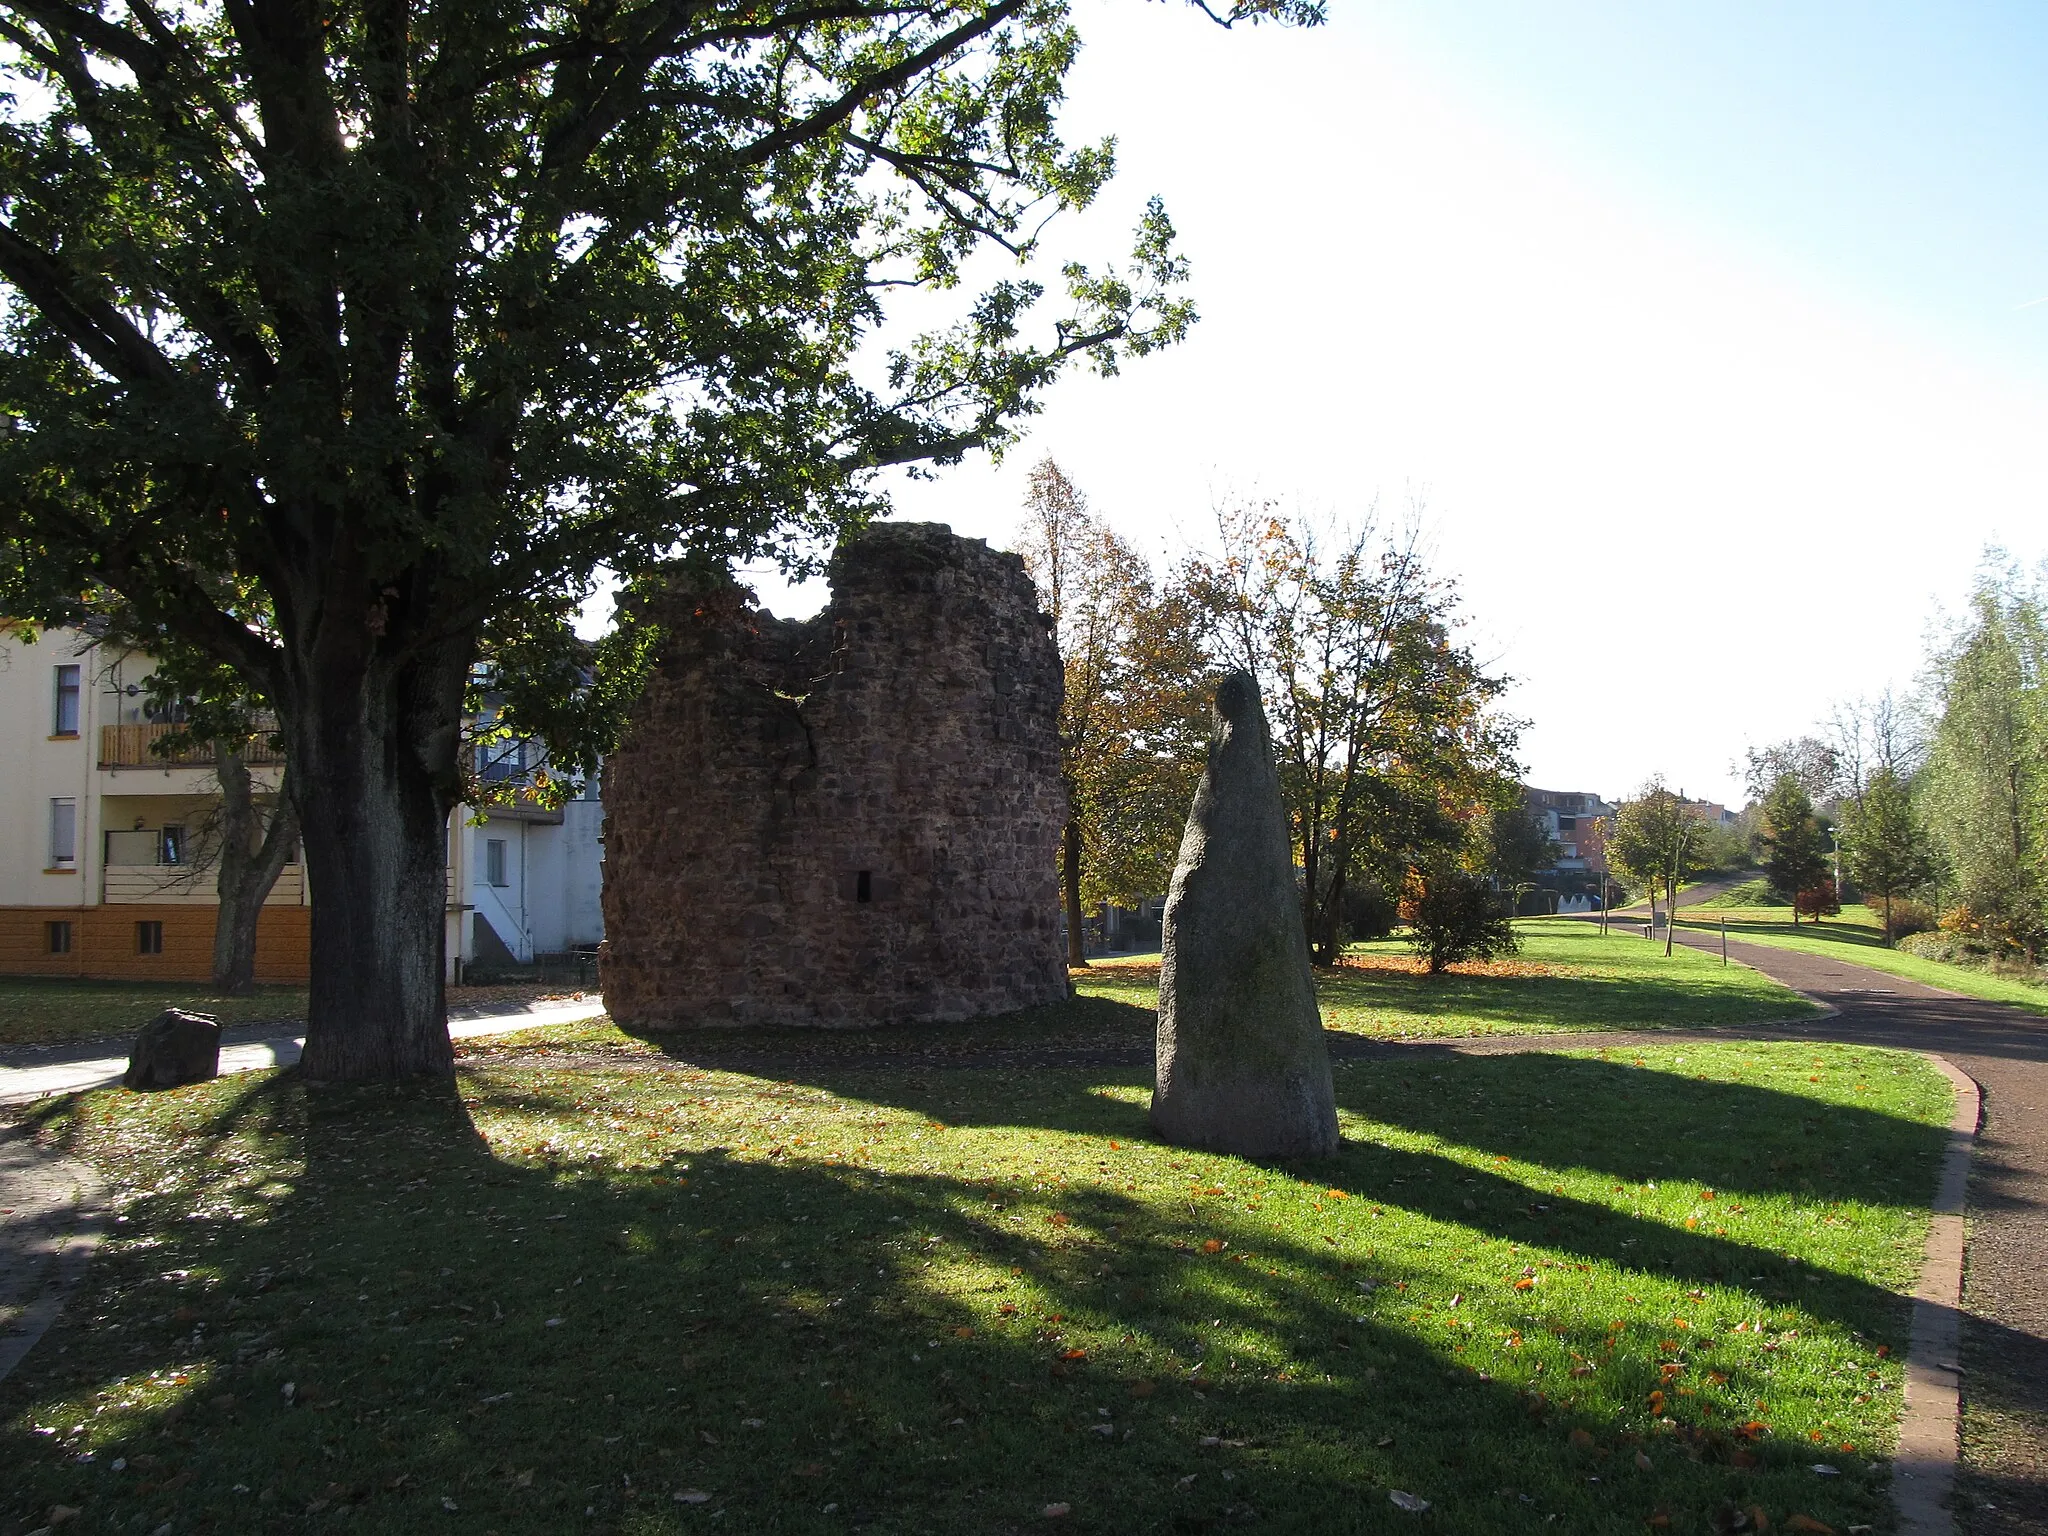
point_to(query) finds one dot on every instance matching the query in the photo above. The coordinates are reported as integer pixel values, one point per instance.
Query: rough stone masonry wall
(848, 821)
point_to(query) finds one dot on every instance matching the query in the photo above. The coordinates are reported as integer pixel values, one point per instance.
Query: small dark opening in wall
(864, 886)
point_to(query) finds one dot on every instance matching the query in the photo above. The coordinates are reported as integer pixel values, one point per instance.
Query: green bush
(1970, 951)
(1454, 916)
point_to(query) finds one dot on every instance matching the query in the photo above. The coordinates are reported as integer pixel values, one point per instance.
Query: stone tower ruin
(847, 821)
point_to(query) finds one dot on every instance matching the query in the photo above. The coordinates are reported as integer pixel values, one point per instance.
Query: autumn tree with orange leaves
(1134, 721)
(1390, 744)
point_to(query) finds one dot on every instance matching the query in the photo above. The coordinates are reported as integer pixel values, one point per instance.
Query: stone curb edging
(85, 1222)
(1924, 1466)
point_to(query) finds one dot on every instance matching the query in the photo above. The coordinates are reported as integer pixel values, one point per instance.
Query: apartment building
(1571, 819)
(105, 864)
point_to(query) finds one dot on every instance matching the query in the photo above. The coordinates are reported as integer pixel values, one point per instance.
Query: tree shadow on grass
(478, 1343)
(1742, 1140)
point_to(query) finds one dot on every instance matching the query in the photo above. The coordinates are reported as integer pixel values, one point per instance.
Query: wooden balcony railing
(128, 746)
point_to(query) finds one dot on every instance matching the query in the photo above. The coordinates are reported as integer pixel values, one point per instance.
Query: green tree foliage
(1134, 720)
(1986, 780)
(411, 318)
(1885, 845)
(1795, 847)
(1453, 914)
(1389, 743)
(1657, 839)
(1511, 846)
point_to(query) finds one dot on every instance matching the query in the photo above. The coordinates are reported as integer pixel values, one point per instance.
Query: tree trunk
(373, 747)
(1311, 872)
(248, 867)
(1070, 881)
(1329, 937)
(1670, 911)
(1887, 918)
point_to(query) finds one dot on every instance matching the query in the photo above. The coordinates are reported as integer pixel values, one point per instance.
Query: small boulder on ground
(173, 1049)
(1242, 1066)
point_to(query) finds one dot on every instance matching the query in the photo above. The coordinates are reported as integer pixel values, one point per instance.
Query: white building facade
(105, 863)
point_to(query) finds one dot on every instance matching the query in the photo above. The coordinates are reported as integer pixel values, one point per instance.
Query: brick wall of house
(847, 821)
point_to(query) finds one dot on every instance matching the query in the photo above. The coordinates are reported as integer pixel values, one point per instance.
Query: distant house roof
(1569, 802)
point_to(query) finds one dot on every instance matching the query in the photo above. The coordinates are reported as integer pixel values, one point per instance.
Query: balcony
(182, 885)
(128, 746)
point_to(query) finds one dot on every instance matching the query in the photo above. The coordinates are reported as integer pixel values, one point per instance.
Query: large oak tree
(337, 333)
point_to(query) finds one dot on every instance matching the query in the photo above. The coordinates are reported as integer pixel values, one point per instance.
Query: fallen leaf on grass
(1808, 1523)
(1058, 1218)
(1414, 1504)
(1643, 1463)
(1058, 1511)
(1581, 1439)
(1213, 1245)
(1824, 1470)
(693, 1496)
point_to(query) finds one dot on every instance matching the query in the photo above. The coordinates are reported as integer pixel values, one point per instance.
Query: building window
(171, 846)
(66, 715)
(494, 861)
(59, 935)
(1567, 824)
(63, 833)
(149, 937)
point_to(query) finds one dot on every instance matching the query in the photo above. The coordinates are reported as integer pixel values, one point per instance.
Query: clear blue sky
(1897, 154)
(1703, 332)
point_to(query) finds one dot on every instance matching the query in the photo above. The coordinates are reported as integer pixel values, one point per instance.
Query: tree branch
(849, 102)
(91, 323)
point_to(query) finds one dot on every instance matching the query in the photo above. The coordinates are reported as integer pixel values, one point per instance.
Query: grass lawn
(56, 1010)
(1750, 893)
(1571, 1292)
(1857, 935)
(1568, 977)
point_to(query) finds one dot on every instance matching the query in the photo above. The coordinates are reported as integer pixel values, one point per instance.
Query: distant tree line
(1396, 763)
(1935, 806)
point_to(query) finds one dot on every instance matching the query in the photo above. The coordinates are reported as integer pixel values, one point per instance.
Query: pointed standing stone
(1242, 1067)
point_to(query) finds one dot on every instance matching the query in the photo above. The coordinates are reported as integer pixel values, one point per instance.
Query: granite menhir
(848, 821)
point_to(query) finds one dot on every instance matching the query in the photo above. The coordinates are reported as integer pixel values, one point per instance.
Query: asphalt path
(2003, 1485)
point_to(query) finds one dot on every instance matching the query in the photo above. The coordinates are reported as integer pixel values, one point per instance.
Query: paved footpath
(30, 1072)
(2004, 1477)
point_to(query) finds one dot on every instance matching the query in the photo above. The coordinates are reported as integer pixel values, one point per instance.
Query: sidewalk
(27, 1073)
